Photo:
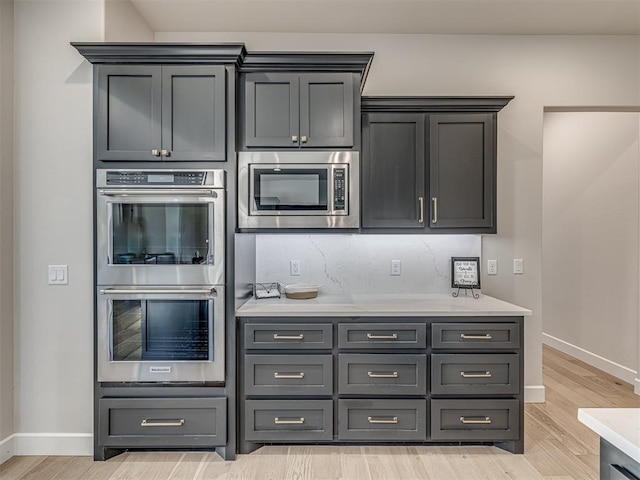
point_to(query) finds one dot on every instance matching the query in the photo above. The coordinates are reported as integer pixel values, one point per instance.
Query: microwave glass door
(283, 189)
(161, 234)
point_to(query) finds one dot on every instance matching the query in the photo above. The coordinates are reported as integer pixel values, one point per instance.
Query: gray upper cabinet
(284, 110)
(155, 113)
(393, 170)
(429, 164)
(462, 170)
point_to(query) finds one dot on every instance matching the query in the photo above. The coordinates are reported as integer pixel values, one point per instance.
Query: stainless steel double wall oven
(160, 274)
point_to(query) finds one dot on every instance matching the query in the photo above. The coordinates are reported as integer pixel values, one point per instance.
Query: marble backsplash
(344, 263)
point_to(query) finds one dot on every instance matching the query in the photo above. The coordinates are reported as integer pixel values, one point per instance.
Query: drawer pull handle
(476, 374)
(277, 336)
(393, 336)
(288, 375)
(475, 420)
(392, 420)
(484, 336)
(382, 375)
(293, 421)
(162, 423)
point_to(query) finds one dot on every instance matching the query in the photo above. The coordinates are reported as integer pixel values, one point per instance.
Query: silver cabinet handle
(162, 423)
(294, 138)
(434, 218)
(303, 139)
(484, 336)
(293, 421)
(165, 153)
(277, 336)
(392, 420)
(421, 213)
(159, 291)
(157, 191)
(288, 375)
(393, 336)
(155, 152)
(382, 375)
(475, 420)
(476, 374)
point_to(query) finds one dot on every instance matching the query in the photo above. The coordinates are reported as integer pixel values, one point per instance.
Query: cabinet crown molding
(434, 104)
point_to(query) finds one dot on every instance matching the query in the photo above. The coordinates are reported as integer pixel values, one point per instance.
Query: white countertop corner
(618, 426)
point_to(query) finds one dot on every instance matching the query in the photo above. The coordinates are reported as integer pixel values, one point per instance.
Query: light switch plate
(58, 275)
(518, 266)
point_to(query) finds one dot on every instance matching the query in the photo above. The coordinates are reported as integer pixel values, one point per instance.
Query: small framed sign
(465, 272)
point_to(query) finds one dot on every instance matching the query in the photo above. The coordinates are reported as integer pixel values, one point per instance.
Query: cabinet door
(393, 171)
(193, 113)
(128, 113)
(271, 110)
(462, 171)
(326, 110)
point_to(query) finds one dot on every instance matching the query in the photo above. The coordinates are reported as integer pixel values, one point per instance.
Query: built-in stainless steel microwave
(298, 189)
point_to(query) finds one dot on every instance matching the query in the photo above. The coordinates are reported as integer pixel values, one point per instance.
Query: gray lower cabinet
(160, 113)
(615, 464)
(159, 422)
(381, 379)
(377, 420)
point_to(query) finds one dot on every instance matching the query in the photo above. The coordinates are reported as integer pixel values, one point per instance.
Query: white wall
(6, 231)
(123, 23)
(362, 263)
(53, 225)
(590, 243)
(540, 71)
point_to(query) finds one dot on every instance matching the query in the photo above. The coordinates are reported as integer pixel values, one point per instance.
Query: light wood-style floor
(557, 447)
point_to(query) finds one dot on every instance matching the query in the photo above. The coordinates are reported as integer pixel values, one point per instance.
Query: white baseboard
(534, 394)
(76, 444)
(595, 360)
(7, 449)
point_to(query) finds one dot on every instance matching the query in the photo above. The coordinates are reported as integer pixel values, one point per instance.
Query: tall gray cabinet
(429, 164)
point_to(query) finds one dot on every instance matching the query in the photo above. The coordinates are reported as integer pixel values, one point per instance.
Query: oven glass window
(160, 234)
(290, 189)
(161, 330)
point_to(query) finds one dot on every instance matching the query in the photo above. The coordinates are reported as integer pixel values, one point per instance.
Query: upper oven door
(160, 236)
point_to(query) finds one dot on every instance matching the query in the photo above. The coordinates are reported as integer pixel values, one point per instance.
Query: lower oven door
(160, 334)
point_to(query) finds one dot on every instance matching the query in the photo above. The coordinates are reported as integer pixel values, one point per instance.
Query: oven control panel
(150, 178)
(338, 188)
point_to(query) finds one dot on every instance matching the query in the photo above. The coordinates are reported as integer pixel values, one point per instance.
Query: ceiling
(533, 17)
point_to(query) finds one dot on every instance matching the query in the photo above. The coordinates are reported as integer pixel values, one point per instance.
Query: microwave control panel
(339, 175)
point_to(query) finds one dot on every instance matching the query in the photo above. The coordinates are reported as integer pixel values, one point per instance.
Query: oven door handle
(160, 291)
(157, 191)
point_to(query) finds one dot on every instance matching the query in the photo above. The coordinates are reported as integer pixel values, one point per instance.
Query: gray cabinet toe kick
(417, 380)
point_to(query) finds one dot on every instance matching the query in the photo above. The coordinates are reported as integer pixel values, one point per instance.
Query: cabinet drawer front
(392, 374)
(382, 420)
(288, 336)
(475, 420)
(385, 335)
(287, 420)
(491, 336)
(288, 375)
(167, 422)
(475, 374)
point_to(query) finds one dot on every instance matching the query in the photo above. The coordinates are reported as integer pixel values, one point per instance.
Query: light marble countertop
(410, 305)
(618, 426)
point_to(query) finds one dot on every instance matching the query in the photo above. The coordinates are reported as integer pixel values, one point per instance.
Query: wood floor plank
(16, 467)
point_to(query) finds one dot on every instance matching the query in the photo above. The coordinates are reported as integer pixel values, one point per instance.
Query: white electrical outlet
(492, 267)
(294, 268)
(58, 275)
(396, 267)
(518, 266)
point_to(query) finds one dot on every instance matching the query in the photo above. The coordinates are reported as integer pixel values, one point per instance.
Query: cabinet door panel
(193, 112)
(393, 171)
(271, 109)
(326, 110)
(462, 166)
(128, 112)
